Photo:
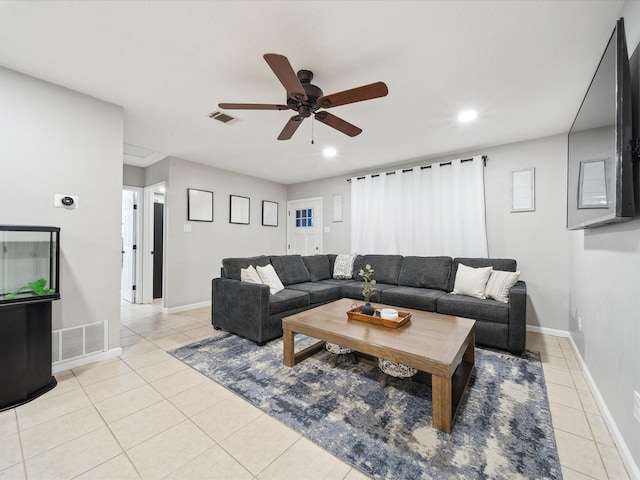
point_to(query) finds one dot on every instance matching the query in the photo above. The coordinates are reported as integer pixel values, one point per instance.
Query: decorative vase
(367, 309)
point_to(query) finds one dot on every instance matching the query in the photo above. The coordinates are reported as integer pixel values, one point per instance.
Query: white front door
(304, 226)
(129, 225)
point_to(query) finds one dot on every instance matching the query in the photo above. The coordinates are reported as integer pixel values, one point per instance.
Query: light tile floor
(147, 415)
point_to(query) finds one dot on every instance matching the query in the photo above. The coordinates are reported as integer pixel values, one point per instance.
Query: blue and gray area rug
(503, 429)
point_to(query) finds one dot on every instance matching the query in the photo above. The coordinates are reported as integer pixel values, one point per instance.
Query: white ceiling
(524, 65)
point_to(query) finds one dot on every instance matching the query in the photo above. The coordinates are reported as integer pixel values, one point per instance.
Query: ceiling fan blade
(283, 70)
(252, 106)
(290, 128)
(359, 94)
(339, 124)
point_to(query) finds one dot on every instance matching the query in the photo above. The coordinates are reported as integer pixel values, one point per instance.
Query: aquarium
(29, 263)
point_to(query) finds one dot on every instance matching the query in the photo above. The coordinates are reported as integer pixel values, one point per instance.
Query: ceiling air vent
(222, 117)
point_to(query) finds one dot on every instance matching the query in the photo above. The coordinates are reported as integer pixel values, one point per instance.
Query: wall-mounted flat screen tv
(600, 169)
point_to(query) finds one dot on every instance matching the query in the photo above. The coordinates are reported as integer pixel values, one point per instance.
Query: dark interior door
(158, 248)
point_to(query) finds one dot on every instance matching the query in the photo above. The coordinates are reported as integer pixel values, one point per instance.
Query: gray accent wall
(54, 140)
(604, 293)
(194, 258)
(156, 173)
(133, 176)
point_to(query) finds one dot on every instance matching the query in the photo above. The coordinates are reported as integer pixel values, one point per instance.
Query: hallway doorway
(129, 272)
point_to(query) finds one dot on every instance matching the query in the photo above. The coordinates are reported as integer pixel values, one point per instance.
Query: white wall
(537, 240)
(194, 258)
(54, 140)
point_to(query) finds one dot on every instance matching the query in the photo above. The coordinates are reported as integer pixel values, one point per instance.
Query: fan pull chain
(312, 123)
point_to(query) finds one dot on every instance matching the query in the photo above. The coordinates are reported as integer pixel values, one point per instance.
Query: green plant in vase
(367, 289)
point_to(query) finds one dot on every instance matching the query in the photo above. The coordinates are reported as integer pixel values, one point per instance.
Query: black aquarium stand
(25, 351)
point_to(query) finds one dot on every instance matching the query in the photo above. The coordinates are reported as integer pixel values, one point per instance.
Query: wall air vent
(222, 117)
(81, 341)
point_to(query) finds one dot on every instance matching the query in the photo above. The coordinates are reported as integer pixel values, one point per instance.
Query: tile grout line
(593, 439)
(599, 413)
(19, 431)
(298, 440)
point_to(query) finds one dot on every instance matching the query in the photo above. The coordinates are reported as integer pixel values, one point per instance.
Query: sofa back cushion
(332, 261)
(386, 267)
(426, 272)
(232, 266)
(504, 264)
(318, 266)
(290, 269)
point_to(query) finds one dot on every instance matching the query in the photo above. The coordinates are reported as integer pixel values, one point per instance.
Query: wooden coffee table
(441, 345)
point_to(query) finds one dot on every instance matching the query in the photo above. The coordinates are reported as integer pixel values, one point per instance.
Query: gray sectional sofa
(422, 283)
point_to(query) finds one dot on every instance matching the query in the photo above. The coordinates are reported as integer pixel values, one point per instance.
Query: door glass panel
(304, 217)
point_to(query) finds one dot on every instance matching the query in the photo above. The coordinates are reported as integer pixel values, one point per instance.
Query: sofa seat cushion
(412, 297)
(386, 267)
(476, 308)
(319, 267)
(232, 266)
(290, 269)
(287, 299)
(335, 281)
(353, 289)
(425, 272)
(318, 292)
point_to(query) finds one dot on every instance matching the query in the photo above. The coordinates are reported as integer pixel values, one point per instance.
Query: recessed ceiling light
(467, 116)
(330, 152)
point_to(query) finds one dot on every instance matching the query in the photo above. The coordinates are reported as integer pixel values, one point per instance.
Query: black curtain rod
(442, 164)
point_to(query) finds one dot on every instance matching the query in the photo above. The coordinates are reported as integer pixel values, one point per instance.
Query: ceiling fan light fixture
(329, 152)
(306, 99)
(467, 116)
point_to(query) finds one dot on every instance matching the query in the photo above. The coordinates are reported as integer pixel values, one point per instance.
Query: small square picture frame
(199, 205)
(239, 209)
(269, 213)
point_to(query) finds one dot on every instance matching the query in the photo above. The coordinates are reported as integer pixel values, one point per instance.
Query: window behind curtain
(433, 210)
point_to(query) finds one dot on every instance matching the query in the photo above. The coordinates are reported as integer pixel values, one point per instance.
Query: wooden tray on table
(403, 318)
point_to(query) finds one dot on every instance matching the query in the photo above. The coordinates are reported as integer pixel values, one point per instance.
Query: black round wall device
(67, 201)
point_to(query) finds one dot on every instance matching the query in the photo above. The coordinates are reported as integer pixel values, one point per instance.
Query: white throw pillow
(250, 275)
(343, 266)
(269, 277)
(499, 285)
(471, 281)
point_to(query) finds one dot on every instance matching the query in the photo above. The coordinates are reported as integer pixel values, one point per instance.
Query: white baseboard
(78, 362)
(184, 308)
(625, 454)
(547, 331)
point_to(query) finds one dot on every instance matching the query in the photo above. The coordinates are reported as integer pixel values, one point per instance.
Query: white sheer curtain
(433, 210)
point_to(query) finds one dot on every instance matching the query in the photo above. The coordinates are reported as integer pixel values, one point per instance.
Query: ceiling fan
(308, 99)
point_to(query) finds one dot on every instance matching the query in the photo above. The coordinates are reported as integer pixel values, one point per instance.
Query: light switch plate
(636, 405)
